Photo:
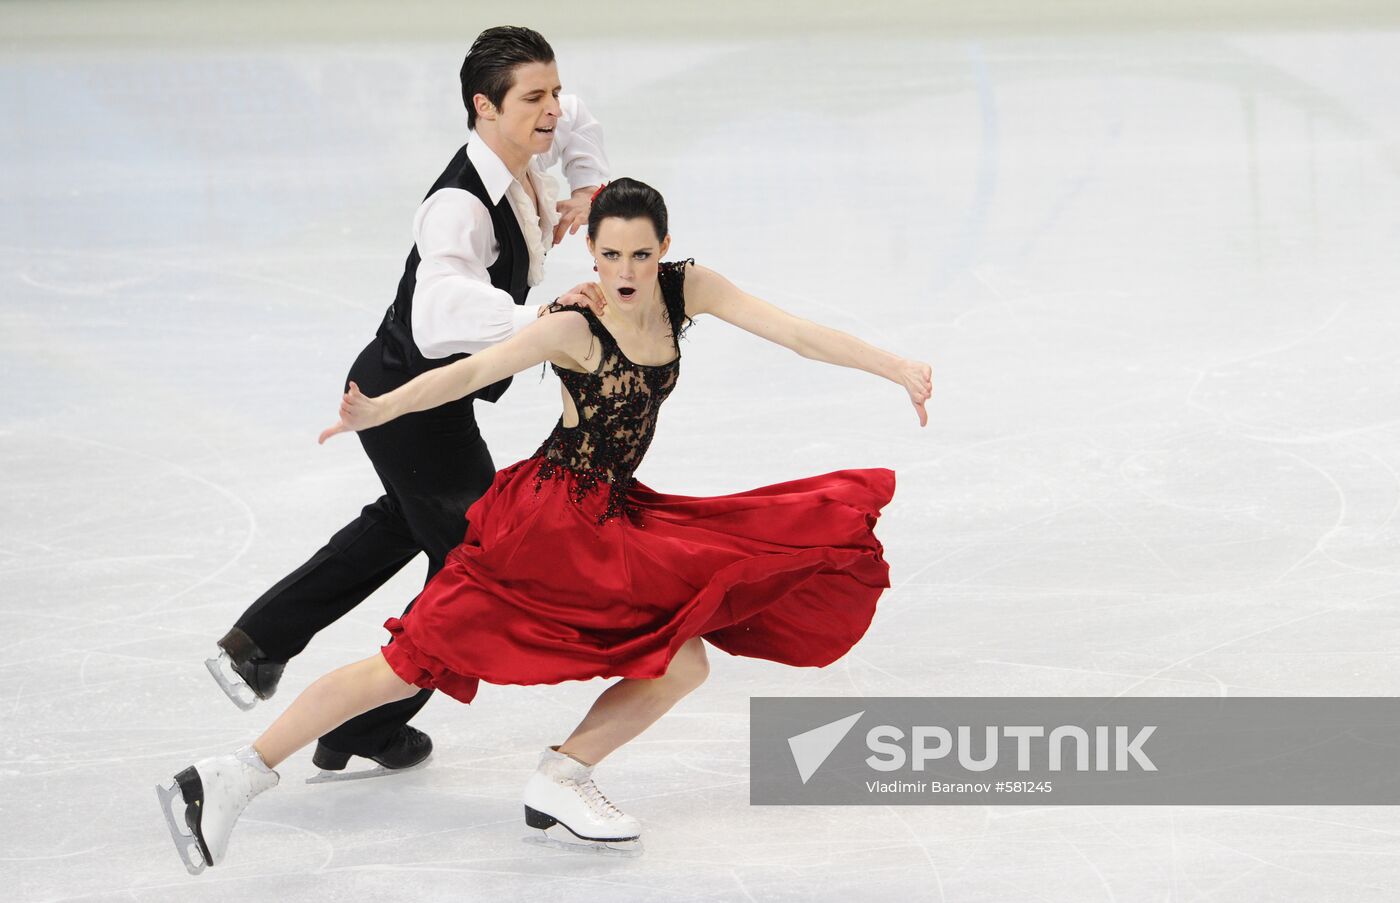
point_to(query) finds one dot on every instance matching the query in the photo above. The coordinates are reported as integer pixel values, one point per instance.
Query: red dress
(571, 569)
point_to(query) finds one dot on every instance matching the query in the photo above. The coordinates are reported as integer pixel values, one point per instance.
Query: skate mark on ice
(250, 518)
(1221, 645)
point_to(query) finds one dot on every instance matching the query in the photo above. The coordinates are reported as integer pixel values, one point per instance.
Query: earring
(595, 267)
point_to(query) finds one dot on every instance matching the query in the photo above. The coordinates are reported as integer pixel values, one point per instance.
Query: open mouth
(626, 292)
(548, 131)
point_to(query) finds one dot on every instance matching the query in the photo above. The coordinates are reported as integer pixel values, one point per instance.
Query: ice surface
(1154, 270)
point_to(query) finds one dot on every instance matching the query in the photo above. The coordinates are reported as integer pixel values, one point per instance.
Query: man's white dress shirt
(455, 306)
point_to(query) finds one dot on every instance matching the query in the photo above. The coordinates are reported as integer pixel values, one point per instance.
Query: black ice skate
(570, 811)
(213, 793)
(407, 750)
(244, 673)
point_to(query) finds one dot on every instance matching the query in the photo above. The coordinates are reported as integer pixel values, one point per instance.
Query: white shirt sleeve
(578, 145)
(455, 306)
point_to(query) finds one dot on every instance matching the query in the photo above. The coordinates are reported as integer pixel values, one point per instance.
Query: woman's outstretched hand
(357, 412)
(917, 379)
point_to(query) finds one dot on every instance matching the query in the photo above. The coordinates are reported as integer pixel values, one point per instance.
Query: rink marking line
(85, 623)
(1271, 812)
(679, 762)
(250, 518)
(1057, 841)
(1322, 438)
(188, 269)
(527, 872)
(19, 694)
(1320, 543)
(1092, 672)
(1261, 631)
(1352, 569)
(1127, 528)
(893, 812)
(1093, 866)
(1320, 548)
(1227, 419)
(79, 561)
(1394, 475)
(83, 526)
(862, 660)
(315, 835)
(1221, 645)
(1244, 875)
(846, 660)
(84, 290)
(52, 856)
(1279, 866)
(734, 873)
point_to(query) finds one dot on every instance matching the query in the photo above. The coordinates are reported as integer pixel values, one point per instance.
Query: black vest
(509, 273)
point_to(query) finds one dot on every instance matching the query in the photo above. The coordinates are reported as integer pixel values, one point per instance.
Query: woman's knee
(402, 689)
(691, 666)
(390, 684)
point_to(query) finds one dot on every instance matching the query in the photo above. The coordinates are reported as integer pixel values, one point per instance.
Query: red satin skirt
(540, 592)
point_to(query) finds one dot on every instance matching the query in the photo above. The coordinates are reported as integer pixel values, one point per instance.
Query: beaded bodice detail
(617, 406)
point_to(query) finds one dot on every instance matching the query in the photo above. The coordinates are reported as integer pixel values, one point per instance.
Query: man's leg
(356, 561)
(347, 570)
(436, 466)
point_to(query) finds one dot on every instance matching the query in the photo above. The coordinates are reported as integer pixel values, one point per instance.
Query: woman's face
(628, 254)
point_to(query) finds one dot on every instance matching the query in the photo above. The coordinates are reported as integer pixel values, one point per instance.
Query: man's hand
(573, 212)
(585, 294)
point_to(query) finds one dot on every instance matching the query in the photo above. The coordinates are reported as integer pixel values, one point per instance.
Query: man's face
(526, 118)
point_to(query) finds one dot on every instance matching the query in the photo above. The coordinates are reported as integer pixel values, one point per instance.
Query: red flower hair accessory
(595, 194)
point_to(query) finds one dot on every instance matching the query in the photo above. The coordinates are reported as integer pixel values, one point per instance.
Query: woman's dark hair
(627, 199)
(490, 65)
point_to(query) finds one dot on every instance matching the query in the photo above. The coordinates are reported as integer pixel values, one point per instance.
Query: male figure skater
(480, 238)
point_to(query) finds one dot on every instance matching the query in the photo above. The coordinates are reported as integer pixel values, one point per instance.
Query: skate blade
(378, 771)
(185, 843)
(233, 686)
(559, 837)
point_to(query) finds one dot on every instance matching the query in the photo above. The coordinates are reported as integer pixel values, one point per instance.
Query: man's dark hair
(628, 199)
(490, 65)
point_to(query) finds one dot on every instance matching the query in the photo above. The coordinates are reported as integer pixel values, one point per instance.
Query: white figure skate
(570, 811)
(215, 792)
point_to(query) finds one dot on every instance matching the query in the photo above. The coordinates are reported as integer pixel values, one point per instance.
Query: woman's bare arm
(562, 338)
(707, 292)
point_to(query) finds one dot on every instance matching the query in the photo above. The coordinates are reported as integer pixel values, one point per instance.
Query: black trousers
(433, 465)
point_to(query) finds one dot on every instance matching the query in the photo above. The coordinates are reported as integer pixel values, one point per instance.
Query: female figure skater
(571, 569)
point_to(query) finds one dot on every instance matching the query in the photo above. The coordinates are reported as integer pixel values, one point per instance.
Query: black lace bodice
(617, 405)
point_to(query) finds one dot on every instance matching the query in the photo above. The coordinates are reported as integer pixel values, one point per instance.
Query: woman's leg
(329, 702)
(631, 705)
